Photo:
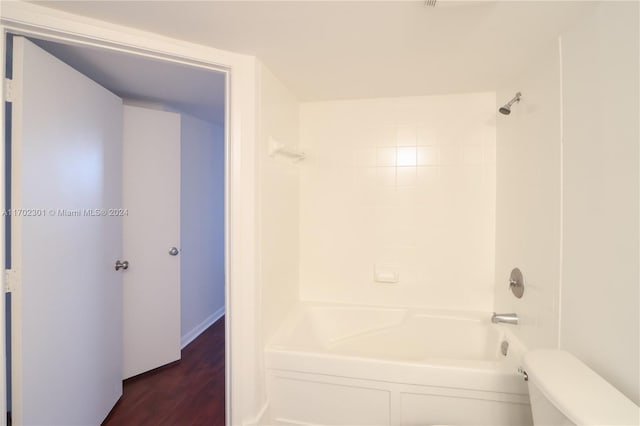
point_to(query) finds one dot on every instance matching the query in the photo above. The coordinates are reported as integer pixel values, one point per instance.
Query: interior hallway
(188, 392)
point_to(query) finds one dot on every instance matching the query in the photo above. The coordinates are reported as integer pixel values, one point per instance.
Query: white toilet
(564, 391)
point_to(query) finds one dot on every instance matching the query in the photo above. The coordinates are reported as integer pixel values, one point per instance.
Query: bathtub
(358, 365)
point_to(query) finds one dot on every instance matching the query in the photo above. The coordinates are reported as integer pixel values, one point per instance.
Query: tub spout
(505, 318)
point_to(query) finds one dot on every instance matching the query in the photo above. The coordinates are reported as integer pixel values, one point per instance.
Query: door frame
(241, 130)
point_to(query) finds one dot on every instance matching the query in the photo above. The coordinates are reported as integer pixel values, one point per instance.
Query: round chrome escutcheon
(516, 283)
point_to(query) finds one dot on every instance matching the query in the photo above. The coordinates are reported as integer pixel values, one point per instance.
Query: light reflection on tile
(406, 156)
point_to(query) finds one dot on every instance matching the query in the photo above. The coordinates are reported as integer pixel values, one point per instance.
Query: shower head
(506, 108)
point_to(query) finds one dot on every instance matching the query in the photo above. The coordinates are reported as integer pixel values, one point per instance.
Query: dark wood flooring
(187, 392)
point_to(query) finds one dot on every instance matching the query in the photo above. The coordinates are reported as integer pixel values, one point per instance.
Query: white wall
(277, 216)
(278, 180)
(403, 182)
(568, 196)
(600, 319)
(528, 199)
(202, 270)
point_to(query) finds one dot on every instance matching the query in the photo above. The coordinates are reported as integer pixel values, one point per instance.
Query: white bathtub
(352, 365)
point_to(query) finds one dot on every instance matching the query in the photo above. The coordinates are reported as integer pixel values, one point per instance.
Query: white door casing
(242, 350)
(66, 186)
(151, 197)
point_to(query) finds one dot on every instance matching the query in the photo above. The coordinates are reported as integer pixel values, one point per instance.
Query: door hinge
(9, 280)
(9, 92)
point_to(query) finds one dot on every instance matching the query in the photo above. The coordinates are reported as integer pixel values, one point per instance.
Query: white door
(67, 301)
(151, 196)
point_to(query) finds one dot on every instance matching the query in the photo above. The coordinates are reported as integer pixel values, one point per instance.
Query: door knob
(173, 251)
(122, 265)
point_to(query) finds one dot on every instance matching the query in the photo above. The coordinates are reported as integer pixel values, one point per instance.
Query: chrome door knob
(173, 251)
(122, 265)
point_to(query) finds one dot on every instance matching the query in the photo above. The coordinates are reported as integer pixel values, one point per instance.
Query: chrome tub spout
(504, 318)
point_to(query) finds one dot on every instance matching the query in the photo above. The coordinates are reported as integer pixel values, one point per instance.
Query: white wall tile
(417, 191)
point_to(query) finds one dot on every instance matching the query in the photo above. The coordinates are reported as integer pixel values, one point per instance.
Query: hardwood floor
(187, 392)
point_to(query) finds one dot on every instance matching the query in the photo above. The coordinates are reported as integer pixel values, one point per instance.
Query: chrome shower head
(506, 109)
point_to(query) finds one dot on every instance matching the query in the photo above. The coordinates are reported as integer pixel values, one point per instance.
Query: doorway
(201, 232)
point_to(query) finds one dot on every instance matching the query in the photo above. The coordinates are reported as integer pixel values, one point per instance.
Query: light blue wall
(201, 224)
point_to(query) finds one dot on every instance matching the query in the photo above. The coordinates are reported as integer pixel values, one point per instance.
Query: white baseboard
(281, 422)
(198, 329)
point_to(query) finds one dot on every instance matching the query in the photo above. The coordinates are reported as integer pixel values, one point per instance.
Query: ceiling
(157, 83)
(359, 49)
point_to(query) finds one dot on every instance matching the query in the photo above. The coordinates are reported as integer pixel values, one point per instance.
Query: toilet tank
(564, 391)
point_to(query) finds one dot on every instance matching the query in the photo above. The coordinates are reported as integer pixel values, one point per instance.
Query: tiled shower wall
(404, 186)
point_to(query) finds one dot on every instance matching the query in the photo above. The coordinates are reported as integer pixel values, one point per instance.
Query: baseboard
(281, 422)
(198, 329)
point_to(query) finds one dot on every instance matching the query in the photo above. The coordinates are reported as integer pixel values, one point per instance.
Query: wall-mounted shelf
(278, 148)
